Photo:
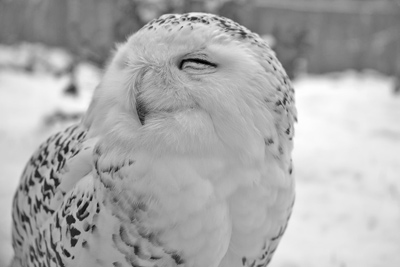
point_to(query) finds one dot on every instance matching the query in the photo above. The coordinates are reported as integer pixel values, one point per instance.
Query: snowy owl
(182, 159)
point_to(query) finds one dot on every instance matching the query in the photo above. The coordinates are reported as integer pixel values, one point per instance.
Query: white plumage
(182, 159)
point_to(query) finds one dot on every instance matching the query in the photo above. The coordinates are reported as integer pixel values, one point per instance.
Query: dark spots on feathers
(285, 80)
(136, 249)
(83, 212)
(178, 260)
(66, 253)
(39, 205)
(86, 226)
(56, 181)
(112, 169)
(19, 242)
(40, 186)
(81, 135)
(279, 235)
(85, 244)
(190, 20)
(47, 190)
(57, 259)
(269, 141)
(37, 174)
(93, 229)
(74, 232)
(26, 221)
(32, 254)
(61, 161)
(66, 148)
(70, 219)
(97, 151)
(107, 183)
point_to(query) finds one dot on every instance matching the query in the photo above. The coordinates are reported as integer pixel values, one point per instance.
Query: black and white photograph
(200, 133)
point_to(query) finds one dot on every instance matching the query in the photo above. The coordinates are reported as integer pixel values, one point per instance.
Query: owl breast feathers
(182, 159)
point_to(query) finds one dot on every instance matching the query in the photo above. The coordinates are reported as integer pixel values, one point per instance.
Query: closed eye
(196, 64)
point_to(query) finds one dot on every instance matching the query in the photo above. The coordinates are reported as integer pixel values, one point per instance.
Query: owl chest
(179, 187)
(178, 204)
(198, 207)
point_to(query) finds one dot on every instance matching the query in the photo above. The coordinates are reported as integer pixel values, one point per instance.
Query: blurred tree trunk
(95, 25)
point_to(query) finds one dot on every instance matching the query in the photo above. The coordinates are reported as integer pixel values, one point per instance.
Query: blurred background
(343, 57)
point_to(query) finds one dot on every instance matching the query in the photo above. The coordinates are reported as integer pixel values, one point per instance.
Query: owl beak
(141, 110)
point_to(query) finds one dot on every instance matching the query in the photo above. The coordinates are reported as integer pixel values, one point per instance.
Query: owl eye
(196, 64)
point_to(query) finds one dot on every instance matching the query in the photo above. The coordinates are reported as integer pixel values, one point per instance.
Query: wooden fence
(343, 34)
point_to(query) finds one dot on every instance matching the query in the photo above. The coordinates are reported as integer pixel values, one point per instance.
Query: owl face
(194, 62)
(195, 73)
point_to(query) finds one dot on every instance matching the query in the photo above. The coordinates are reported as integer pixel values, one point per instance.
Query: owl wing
(59, 219)
(53, 170)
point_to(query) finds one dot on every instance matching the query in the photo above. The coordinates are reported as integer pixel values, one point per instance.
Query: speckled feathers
(182, 159)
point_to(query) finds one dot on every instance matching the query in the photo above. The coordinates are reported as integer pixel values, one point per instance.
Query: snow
(25, 101)
(346, 156)
(38, 57)
(347, 160)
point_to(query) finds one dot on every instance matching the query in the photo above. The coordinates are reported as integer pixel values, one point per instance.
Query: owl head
(195, 82)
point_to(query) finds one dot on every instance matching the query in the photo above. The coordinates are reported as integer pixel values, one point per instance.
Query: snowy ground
(347, 158)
